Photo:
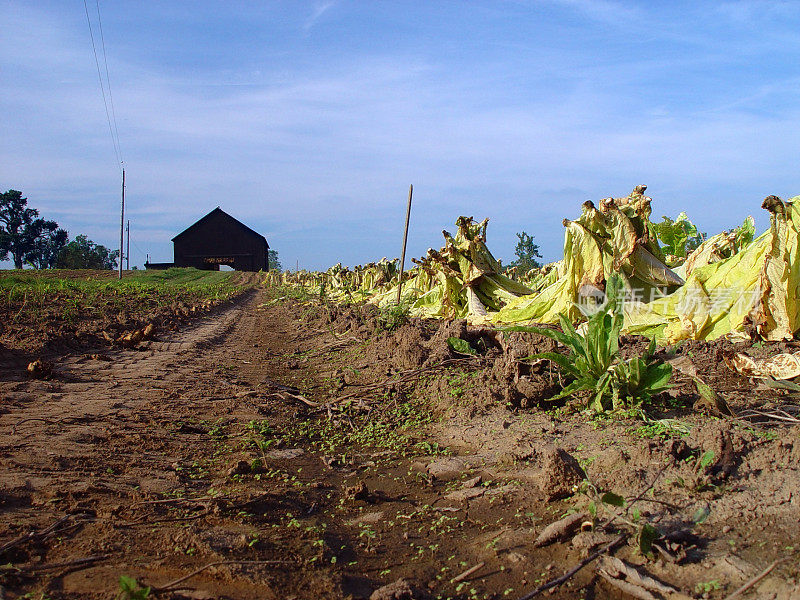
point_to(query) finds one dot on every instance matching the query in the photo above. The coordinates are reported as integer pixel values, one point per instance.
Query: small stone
(368, 518)
(471, 483)
(286, 454)
(447, 468)
(465, 494)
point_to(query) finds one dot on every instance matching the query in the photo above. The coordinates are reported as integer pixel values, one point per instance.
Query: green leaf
(573, 387)
(780, 384)
(131, 590)
(706, 459)
(651, 348)
(647, 535)
(564, 362)
(613, 499)
(572, 338)
(701, 514)
(460, 346)
(678, 237)
(656, 378)
(127, 584)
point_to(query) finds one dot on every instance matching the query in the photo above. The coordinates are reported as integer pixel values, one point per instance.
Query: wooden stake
(405, 241)
(128, 246)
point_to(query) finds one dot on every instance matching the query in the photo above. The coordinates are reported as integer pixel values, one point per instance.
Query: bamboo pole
(405, 241)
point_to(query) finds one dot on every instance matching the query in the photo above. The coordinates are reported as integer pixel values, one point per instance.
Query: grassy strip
(26, 295)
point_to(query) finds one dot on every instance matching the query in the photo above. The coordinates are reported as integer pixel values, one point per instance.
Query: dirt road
(201, 466)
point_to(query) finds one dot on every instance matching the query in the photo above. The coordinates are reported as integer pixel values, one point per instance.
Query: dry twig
(566, 576)
(467, 573)
(33, 535)
(769, 416)
(607, 548)
(753, 581)
(89, 560)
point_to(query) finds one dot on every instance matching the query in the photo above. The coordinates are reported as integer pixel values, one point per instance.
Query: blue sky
(308, 120)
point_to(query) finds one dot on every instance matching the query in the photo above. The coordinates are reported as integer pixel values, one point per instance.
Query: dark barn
(219, 239)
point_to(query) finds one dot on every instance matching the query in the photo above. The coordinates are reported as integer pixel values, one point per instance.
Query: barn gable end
(219, 239)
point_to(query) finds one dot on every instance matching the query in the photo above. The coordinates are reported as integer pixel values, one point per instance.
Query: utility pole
(128, 247)
(122, 224)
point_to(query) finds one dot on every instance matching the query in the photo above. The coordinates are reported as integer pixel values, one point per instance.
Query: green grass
(26, 295)
(393, 428)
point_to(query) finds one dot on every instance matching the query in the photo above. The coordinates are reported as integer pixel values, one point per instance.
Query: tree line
(28, 239)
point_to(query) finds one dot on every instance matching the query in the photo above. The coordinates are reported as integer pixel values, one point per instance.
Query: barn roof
(219, 213)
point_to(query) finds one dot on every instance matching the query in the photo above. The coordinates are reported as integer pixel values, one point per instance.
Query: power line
(102, 87)
(108, 79)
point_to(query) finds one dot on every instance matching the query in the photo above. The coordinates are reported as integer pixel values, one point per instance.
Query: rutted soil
(301, 451)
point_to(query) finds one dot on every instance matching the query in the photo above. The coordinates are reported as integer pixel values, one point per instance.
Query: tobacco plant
(593, 363)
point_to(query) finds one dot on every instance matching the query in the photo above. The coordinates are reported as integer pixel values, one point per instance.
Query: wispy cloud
(319, 10)
(604, 11)
(318, 153)
(749, 12)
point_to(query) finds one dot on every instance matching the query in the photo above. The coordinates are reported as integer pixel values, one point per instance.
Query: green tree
(274, 262)
(527, 252)
(47, 248)
(23, 235)
(83, 253)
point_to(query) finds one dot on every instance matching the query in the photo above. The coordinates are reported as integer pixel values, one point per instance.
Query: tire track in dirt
(93, 380)
(105, 430)
(116, 442)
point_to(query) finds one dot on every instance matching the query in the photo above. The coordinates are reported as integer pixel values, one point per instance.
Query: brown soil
(202, 448)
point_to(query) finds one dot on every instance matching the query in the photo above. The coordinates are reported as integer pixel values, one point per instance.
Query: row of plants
(621, 273)
(678, 283)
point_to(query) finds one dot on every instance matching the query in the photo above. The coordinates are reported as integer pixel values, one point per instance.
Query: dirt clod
(132, 339)
(240, 468)
(560, 474)
(402, 589)
(359, 491)
(39, 369)
(149, 331)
